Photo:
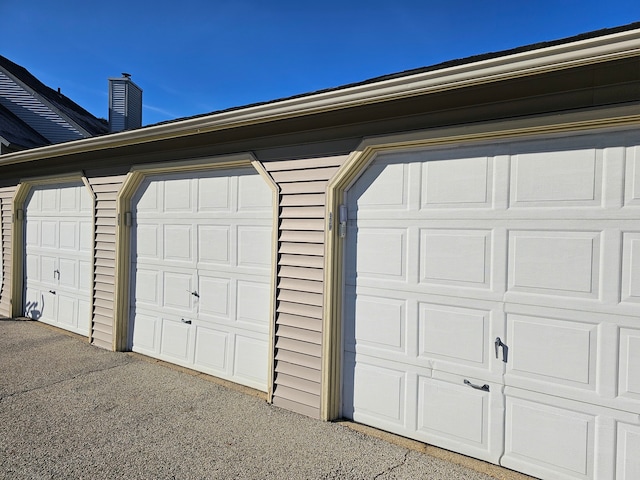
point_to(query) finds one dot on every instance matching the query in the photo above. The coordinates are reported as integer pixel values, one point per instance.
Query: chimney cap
(126, 75)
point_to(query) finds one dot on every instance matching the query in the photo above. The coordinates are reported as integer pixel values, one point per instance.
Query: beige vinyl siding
(6, 214)
(106, 191)
(301, 237)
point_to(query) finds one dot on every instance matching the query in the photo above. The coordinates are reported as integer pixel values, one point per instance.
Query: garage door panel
(177, 243)
(85, 273)
(215, 295)
(253, 194)
(86, 236)
(380, 392)
(175, 341)
(67, 309)
(148, 196)
(254, 247)
(632, 177)
(33, 268)
(454, 334)
(459, 183)
(146, 335)
(177, 196)
(68, 273)
(48, 234)
(451, 411)
(147, 242)
(553, 350)
(32, 233)
(211, 350)
(560, 263)
(214, 194)
(391, 265)
(147, 287)
(48, 268)
(627, 464)
(629, 373)
(381, 324)
(630, 291)
(454, 415)
(49, 200)
(249, 354)
(456, 257)
(382, 187)
(69, 236)
(73, 201)
(557, 178)
(214, 244)
(176, 290)
(36, 305)
(549, 440)
(252, 304)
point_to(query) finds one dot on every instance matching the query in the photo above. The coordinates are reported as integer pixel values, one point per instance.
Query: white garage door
(202, 272)
(58, 240)
(492, 303)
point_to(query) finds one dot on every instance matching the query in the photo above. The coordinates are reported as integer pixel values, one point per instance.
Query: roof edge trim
(546, 59)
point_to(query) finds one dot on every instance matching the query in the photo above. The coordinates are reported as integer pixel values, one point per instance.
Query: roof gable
(16, 134)
(31, 98)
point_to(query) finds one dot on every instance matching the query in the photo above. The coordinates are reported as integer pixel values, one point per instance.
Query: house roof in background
(93, 126)
(18, 134)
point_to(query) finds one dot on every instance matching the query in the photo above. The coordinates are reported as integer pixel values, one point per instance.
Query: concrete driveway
(70, 410)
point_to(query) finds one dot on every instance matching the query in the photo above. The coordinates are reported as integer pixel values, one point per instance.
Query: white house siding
(6, 213)
(300, 273)
(106, 190)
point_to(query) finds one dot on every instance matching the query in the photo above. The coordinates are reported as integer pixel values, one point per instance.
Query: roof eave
(558, 57)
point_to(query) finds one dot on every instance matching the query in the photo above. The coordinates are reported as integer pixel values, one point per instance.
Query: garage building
(449, 253)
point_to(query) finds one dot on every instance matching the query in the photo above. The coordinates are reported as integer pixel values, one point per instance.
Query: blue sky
(196, 56)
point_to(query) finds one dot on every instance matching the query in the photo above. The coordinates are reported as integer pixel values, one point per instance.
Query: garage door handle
(188, 322)
(484, 388)
(52, 291)
(505, 350)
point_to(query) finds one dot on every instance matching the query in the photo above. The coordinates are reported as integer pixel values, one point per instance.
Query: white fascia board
(558, 57)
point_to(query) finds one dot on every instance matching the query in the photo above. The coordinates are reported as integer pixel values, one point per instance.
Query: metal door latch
(484, 388)
(343, 221)
(505, 349)
(188, 322)
(195, 294)
(52, 291)
(56, 272)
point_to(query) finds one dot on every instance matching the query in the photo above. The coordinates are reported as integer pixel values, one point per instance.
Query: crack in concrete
(66, 379)
(393, 467)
